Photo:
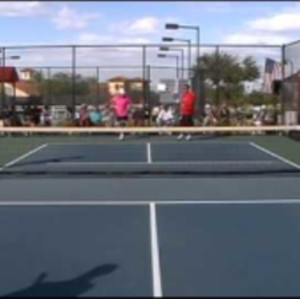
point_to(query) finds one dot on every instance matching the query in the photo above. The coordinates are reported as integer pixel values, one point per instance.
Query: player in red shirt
(187, 110)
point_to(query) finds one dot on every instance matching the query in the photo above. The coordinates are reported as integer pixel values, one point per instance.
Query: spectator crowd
(163, 115)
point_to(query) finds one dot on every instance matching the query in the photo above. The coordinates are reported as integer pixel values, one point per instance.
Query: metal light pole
(197, 29)
(171, 56)
(188, 41)
(182, 57)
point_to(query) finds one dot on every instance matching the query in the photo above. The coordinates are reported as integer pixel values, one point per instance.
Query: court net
(150, 150)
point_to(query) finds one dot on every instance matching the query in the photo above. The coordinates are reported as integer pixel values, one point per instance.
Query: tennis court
(85, 214)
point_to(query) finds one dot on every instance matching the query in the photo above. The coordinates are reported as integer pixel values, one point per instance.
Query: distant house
(136, 83)
(26, 74)
(124, 82)
(25, 90)
(115, 82)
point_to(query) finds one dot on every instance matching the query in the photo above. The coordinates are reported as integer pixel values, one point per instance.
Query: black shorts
(186, 121)
(122, 118)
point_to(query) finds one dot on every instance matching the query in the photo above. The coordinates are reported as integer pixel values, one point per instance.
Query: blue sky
(113, 22)
(47, 22)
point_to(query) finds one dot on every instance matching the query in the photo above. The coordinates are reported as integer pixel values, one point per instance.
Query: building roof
(8, 75)
(293, 76)
(137, 80)
(28, 87)
(118, 79)
(27, 70)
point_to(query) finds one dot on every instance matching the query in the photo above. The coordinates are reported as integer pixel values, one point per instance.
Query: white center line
(156, 275)
(149, 155)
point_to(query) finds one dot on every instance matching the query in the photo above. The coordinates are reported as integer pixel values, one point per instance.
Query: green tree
(261, 98)
(224, 75)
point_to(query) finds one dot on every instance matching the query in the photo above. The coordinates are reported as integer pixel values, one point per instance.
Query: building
(291, 90)
(126, 83)
(136, 83)
(25, 91)
(27, 74)
(115, 82)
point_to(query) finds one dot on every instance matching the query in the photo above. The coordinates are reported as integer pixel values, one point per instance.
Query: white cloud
(284, 21)
(92, 38)
(19, 9)
(276, 28)
(68, 18)
(144, 25)
(251, 37)
(134, 41)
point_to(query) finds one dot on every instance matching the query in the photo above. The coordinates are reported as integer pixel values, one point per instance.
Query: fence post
(282, 94)
(148, 85)
(73, 81)
(218, 84)
(144, 75)
(98, 85)
(3, 84)
(49, 86)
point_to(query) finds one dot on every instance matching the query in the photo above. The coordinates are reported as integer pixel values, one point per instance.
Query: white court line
(156, 142)
(156, 275)
(275, 155)
(230, 162)
(24, 156)
(149, 155)
(142, 203)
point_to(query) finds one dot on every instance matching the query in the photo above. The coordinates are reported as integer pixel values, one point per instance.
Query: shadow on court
(43, 161)
(71, 288)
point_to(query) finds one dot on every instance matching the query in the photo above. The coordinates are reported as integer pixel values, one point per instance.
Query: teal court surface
(149, 216)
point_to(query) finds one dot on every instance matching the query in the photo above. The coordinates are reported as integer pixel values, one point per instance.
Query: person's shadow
(71, 288)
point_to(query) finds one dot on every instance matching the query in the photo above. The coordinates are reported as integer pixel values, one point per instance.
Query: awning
(8, 75)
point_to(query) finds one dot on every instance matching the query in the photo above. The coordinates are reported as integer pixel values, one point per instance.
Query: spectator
(165, 117)
(138, 115)
(154, 114)
(210, 117)
(83, 115)
(95, 116)
(224, 115)
(36, 115)
(46, 117)
(106, 116)
(146, 115)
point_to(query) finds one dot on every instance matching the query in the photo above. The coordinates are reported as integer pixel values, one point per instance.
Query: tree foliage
(225, 75)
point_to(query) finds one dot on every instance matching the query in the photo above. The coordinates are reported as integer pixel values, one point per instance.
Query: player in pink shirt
(121, 104)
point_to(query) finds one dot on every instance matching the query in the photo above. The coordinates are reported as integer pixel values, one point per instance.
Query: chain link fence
(73, 75)
(291, 82)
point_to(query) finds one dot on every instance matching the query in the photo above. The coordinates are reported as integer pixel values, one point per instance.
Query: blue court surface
(167, 226)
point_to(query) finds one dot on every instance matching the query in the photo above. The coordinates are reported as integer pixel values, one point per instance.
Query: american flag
(272, 72)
